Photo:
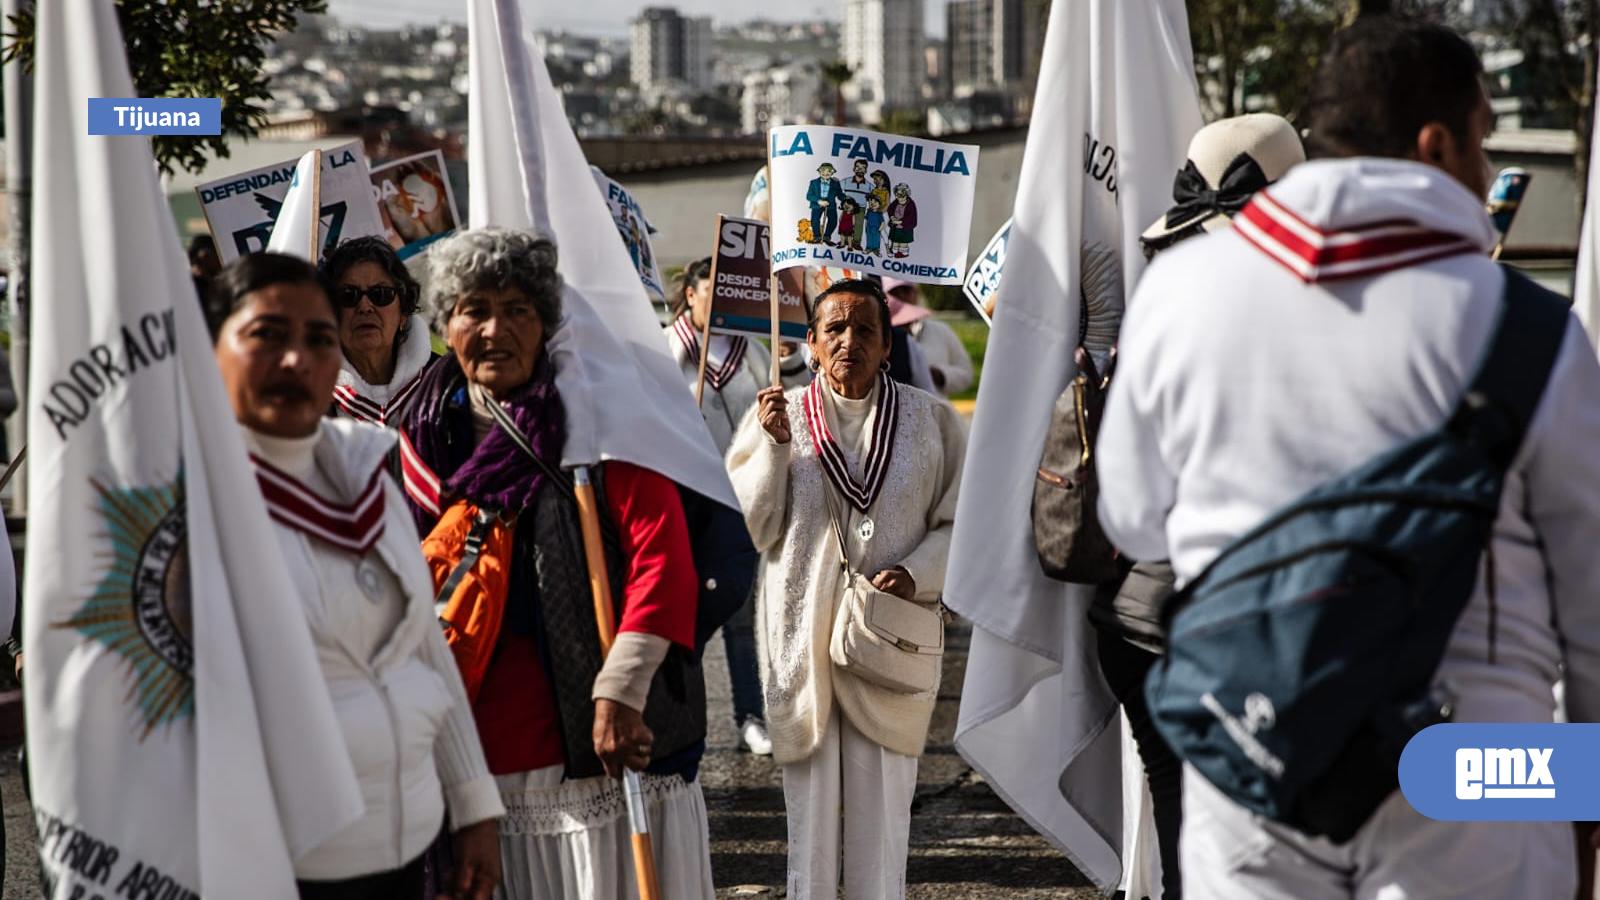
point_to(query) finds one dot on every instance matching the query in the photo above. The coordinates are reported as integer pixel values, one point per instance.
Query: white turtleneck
(363, 598)
(851, 422)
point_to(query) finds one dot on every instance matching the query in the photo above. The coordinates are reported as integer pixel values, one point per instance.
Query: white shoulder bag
(882, 639)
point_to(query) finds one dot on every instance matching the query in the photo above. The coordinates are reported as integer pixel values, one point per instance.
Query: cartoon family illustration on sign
(854, 213)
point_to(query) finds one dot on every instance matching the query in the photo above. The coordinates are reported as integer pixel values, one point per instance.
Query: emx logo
(1500, 773)
(1504, 773)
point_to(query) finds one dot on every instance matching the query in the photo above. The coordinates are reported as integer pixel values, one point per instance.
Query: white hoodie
(1343, 318)
(383, 403)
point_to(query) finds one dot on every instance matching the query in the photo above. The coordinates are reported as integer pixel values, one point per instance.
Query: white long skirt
(571, 840)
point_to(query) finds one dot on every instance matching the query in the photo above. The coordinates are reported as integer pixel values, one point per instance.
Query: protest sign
(878, 203)
(983, 278)
(415, 202)
(635, 229)
(741, 284)
(241, 209)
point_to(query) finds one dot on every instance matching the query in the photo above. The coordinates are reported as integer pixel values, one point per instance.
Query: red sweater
(515, 709)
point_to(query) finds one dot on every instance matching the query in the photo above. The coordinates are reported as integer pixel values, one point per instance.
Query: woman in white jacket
(884, 458)
(347, 537)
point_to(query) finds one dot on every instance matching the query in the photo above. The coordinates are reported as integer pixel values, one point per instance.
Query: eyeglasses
(380, 294)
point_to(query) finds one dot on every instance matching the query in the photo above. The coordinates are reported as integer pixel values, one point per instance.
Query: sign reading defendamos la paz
(242, 208)
(878, 203)
(741, 284)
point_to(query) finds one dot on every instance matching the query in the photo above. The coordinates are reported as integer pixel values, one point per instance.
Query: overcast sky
(602, 16)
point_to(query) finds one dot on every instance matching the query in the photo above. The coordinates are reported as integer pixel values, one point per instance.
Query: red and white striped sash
(354, 527)
(368, 410)
(1314, 254)
(860, 495)
(420, 482)
(719, 376)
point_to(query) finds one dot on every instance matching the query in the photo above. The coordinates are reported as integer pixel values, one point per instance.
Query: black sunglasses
(380, 294)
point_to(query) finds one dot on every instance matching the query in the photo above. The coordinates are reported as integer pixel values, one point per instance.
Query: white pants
(570, 840)
(1229, 853)
(853, 781)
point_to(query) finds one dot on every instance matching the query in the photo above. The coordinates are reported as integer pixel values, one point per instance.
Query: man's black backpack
(1299, 662)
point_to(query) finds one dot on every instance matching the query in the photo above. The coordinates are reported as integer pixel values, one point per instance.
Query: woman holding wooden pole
(562, 715)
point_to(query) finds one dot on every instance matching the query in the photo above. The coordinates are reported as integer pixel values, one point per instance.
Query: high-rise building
(782, 95)
(987, 45)
(669, 49)
(969, 27)
(1009, 44)
(883, 41)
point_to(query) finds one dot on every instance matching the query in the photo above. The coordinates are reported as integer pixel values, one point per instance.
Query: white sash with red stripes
(862, 494)
(420, 482)
(1315, 254)
(717, 376)
(368, 410)
(354, 527)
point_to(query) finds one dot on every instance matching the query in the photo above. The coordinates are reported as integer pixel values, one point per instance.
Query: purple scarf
(495, 473)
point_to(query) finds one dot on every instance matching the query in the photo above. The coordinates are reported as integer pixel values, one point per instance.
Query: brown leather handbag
(1066, 529)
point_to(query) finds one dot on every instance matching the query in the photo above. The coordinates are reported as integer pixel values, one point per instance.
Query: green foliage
(1261, 55)
(193, 48)
(906, 122)
(975, 337)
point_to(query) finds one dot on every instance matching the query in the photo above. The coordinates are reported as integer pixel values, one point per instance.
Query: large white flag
(622, 389)
(298, 230)
(1586, 280)
(1115, 108)
(181, 737)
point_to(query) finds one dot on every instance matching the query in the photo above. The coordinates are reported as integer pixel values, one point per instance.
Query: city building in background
(883, 45)
(782, 95)
(670, 50)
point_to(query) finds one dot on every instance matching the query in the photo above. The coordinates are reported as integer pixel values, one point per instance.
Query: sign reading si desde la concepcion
(415, 202)
(878, 203)
(635, 229)
(241, 209)
(983, 278)
(741, 284)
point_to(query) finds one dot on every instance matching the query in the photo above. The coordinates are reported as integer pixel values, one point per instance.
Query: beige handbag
(882, 639)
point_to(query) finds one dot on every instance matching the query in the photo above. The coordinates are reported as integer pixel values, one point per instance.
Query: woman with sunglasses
(385, 343)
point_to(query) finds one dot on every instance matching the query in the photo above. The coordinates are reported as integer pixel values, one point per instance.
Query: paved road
(965, 843)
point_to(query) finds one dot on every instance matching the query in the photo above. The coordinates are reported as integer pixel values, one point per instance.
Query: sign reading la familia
(877, 203)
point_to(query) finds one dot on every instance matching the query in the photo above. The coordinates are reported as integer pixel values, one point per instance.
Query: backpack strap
(1499, 404)
(471, 550)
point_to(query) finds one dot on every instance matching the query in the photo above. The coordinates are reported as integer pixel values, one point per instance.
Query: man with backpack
(1294, 398)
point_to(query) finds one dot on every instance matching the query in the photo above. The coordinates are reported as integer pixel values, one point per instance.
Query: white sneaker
(753, 737)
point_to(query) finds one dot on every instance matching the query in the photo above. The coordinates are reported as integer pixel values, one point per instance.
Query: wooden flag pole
(711, 307)
(315, 250)
(772, 274)
(644, 857)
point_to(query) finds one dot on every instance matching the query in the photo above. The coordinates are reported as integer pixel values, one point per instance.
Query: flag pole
(314, 252)
(772, 274)
(644, 857)
(705, 330)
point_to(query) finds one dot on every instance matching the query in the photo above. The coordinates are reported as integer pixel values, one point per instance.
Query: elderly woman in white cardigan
(880, 461)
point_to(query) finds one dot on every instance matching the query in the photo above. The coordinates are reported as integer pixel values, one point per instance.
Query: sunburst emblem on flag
(140, 609)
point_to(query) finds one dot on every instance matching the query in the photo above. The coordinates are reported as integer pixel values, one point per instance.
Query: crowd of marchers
(1299, 319)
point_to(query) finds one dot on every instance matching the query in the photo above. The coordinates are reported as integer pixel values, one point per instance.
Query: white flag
(1586, 280)
(1115, 108)
(622, 389)
(178, 748)
(298, 230)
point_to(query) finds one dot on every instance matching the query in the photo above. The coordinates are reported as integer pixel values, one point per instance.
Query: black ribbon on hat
(1196, 200)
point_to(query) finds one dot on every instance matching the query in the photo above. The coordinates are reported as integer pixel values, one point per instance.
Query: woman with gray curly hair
(482, 460)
